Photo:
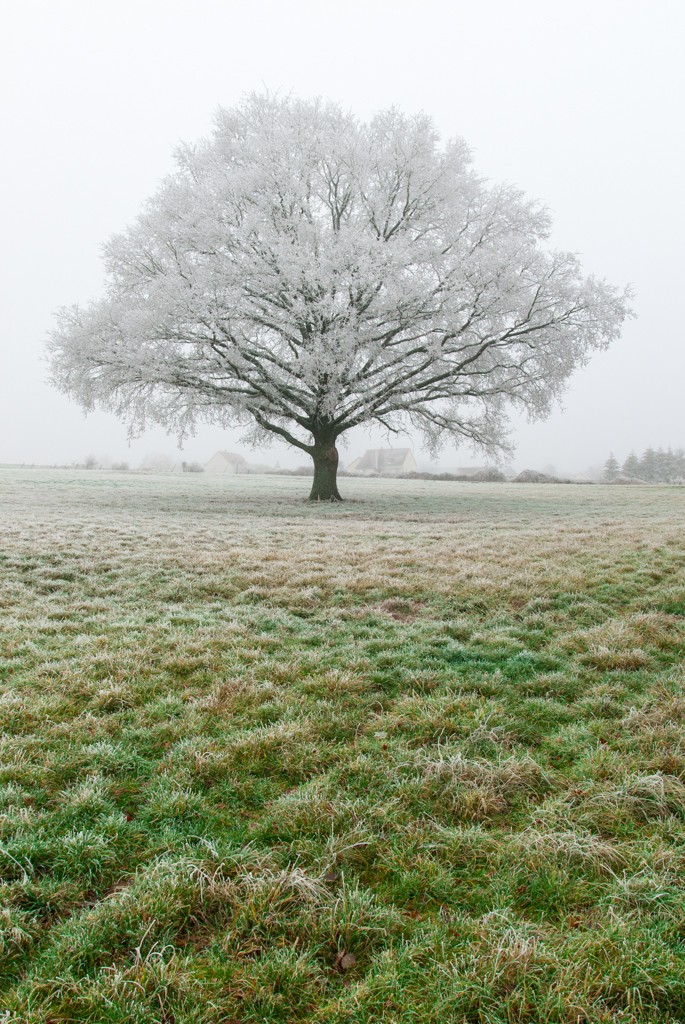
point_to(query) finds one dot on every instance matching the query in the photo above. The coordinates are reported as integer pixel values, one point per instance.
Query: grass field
(413, 759)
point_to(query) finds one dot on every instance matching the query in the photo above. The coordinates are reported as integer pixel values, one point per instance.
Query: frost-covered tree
(631, 467)
(303, 273)
(611, 468)
(662, 469)
(648, 466)
(679, 464)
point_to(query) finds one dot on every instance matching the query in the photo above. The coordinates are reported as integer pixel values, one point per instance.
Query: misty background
(579, 104)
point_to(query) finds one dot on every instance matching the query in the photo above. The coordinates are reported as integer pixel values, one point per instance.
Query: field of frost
(413, 759)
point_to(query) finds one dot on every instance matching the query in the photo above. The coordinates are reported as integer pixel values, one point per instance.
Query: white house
(389, 461)
(225, 463)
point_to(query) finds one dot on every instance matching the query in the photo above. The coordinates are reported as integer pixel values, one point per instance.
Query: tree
(631, 467)
(611, 468)
(303, 273)
(662, 466)
(648, 465)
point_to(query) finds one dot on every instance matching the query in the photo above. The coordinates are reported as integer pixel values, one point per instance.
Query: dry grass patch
(478, 789)
(645, 796)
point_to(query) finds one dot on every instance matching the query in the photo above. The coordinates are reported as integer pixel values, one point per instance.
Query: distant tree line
(157, 463)
(654, 466)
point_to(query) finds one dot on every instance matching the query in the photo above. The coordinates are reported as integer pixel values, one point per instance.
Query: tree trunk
(325, 487)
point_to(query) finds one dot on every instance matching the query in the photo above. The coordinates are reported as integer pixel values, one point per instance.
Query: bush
(489, 475)
(531, 476)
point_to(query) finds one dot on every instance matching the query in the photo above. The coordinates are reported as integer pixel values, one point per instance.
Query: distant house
(389, 461)
(226, 463)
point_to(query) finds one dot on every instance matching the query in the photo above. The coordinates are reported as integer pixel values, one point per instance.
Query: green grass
(413, 759)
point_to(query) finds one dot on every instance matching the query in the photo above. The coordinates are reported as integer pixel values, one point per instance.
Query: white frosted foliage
(302, 273)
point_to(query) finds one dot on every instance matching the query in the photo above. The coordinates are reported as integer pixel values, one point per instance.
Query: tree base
(318, 497)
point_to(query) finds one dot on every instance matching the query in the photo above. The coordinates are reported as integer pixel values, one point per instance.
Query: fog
(578, 104)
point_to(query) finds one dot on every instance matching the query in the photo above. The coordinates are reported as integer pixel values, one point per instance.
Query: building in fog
(388, 461)
(227, 463)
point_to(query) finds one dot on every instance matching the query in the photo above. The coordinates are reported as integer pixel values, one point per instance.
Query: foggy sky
(579, 104)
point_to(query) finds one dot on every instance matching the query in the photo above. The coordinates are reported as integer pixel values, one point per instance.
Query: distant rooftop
(383, 458)
(233, 457)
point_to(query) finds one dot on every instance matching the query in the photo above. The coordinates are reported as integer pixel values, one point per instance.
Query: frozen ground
(413, 758)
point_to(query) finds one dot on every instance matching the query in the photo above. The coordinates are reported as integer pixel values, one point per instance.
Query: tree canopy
(302, 273)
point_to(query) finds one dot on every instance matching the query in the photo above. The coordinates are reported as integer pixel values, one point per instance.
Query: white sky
(580, 104)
